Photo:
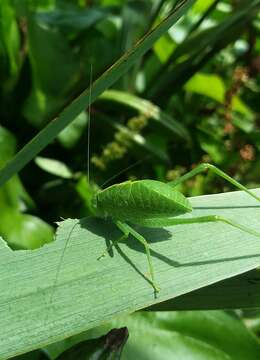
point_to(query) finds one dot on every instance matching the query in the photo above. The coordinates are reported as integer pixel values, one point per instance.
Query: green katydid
(150, 203)
(153, 203)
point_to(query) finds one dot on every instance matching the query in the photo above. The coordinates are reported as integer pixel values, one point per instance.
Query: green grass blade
(89, 292)
(45, 136)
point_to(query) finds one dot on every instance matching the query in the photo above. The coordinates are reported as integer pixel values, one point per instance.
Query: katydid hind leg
(195, 220)
(204, 166)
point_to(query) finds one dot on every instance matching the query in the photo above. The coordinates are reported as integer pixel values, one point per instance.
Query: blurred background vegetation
(193, 98)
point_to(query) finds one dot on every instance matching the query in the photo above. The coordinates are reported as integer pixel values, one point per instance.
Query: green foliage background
(193, 97)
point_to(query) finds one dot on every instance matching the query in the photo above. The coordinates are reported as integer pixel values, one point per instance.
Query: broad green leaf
(19, 229)
(50, 304)
(45, 136)
(24, 231)
(213, 86)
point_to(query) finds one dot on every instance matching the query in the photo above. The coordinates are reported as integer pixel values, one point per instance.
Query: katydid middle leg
(127, 230)
(202, 167)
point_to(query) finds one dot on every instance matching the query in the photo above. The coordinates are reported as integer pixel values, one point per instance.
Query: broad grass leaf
(49, 305)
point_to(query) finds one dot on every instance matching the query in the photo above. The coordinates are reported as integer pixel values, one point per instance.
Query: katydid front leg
(202, 167)
(113, 244)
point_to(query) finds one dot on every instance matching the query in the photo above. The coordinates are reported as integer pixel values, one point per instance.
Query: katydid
(153, 203)
(150, 203)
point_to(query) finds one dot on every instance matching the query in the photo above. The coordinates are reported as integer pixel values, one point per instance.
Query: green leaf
(54, 167)
(24, 231)
(72, 133)
(7, 145)
(202, 5)
(49, 305)
(164, 47)
(20, 230)
(51, 82)
(9, 36)
(47, 50)
(213, 86)
(45, 136)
